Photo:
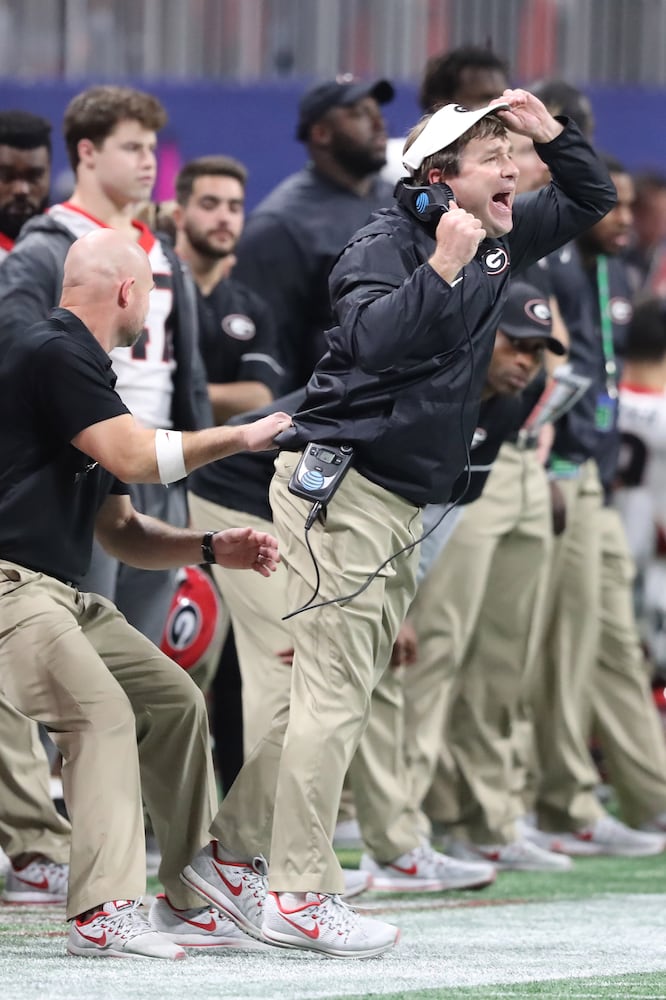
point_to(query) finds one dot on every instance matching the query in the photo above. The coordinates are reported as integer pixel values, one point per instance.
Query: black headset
(426, 203)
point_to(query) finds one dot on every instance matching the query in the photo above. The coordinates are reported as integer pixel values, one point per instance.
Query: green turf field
(598, 931)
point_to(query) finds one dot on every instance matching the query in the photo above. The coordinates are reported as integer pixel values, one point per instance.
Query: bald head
(106, 281)
(104, 257)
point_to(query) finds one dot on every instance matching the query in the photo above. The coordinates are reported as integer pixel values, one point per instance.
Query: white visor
(445, 126)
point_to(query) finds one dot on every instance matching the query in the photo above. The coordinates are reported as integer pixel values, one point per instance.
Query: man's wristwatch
(207, 550)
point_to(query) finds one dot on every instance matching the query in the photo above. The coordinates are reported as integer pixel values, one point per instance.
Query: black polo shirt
(55, 380)
(500, 418)
(241, 481)
(237, 336)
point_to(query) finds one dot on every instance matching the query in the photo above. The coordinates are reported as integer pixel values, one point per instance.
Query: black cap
(526, 313)
(338, 93)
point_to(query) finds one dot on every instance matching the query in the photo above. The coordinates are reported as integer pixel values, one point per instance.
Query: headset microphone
(425, 202)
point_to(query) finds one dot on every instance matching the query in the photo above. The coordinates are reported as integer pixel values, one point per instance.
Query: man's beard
(358, 162)
(205, 248)
(11, 223)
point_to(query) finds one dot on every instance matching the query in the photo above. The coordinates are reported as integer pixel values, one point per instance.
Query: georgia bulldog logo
(621, 310)
(495, 261)
(238, 326)
(538, 311)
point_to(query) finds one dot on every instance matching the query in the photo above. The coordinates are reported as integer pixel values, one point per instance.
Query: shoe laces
(428, 859)
(127, 923)
(255, 878)
(333, 912)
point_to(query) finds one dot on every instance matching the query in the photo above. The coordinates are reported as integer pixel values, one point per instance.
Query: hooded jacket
(402, 378)
(31, 284)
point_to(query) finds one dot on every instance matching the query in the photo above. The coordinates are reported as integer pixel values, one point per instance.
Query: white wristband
(169, 454)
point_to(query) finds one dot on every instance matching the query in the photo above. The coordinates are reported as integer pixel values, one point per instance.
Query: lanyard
(606, 326)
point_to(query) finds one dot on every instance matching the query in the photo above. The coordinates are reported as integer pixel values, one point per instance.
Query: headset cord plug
(315, 511)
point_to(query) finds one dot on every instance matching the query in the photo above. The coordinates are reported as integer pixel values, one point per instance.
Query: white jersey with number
(145, 371)
(641, 498)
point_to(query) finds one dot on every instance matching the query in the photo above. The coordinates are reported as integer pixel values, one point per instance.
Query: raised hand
(527, 115)
(458, 235)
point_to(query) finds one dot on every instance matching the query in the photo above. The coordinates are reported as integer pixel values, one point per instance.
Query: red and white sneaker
(237, 888)
(119, 930)
(606, 836)
(40, 881)
(326, 924)
(423, 869)
(356, 882)
(203, 927)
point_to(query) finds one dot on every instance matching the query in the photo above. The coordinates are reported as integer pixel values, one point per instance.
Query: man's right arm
(128, 450)
(30, 283)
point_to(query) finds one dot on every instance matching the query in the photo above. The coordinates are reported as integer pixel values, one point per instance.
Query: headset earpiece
(426, 203)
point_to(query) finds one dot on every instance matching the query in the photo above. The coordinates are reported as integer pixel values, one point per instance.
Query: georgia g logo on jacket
(495, 260)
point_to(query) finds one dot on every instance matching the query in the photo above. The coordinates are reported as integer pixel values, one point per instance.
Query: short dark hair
(23, 130)
(94, 113)
(612, 164)
(207, 166)
(441, 77)
(647, 183)
(562, 98)
(646, 336)
(448, 159)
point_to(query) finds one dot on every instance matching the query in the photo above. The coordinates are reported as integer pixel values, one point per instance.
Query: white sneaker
(656, 825)
(347, 834)
(203, 927)
(519, 856)
(423, 869)
(606, 836)
(356, 882)
(40, 881)
(325, 923)
(237, 888)
(5, 863)
(119, 930)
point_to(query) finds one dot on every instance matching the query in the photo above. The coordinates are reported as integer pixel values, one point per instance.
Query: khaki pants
(483, 616)
(256, 605)
(285, 800)
(624, 715)
(127, 721)
(29, 821)
(562, 701)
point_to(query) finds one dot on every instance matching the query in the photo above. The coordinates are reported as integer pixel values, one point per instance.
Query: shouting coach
(417, 295)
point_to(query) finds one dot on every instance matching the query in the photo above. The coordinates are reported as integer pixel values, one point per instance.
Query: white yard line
(440, 949)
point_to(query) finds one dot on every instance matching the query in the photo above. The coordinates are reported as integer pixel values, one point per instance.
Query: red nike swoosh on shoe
(208, 925)
(585, 835)
(100, 939)
(491, 855)
(235, 890)
(412, 870)
(42, 884)
(312, 933)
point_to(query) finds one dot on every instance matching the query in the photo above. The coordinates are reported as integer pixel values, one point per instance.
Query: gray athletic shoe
(237, 888)
(201, 927)
(326, 924)
(119, 930)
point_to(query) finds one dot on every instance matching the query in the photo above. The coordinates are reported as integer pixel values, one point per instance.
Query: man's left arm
(148, 543)
(580, 193)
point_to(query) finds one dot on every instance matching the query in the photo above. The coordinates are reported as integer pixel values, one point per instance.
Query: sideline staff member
(397, 384)
(70, 660)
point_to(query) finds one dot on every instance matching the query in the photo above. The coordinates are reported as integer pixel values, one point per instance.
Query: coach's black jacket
(400, 381)
(30, 286)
